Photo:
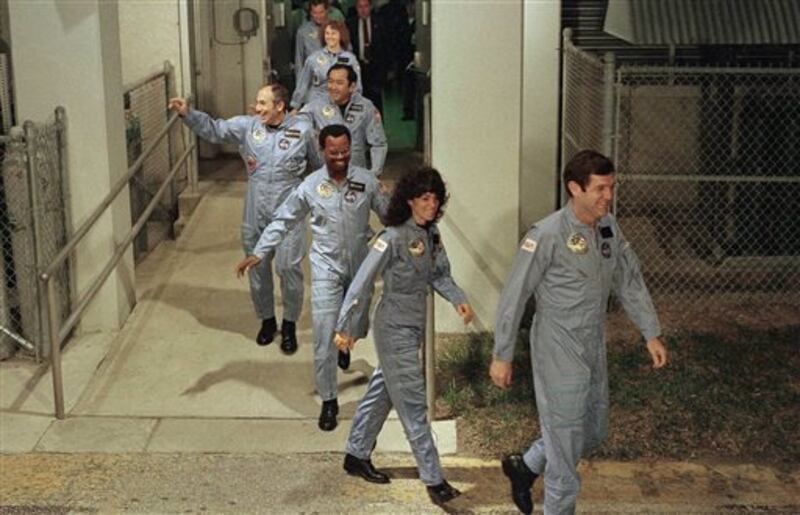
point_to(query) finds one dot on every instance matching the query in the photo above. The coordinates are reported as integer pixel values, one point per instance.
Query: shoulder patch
(529, 245)
(380, 245)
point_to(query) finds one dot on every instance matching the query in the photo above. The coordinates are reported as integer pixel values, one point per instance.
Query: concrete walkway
(184, 374)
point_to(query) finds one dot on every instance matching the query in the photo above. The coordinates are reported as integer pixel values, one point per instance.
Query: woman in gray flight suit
(312, 83)
(410, 256)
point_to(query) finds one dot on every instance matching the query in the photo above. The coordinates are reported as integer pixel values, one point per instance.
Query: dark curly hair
(412, 185)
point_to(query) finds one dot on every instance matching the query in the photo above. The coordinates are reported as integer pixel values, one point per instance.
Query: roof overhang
(704, 22)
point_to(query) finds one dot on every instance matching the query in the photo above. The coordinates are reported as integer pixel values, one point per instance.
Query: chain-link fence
(583, 102)
(146, 115)
(33, 228)
(708, 169)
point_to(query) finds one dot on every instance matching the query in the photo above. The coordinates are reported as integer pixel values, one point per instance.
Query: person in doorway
(345, 106)
(369, 44)
(409, 255)
(312, 83)
(339, 197)
(570, 261)
(276, 147)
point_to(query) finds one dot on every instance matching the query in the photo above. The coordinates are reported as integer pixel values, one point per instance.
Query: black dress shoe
(442, 493)
(522, 479)
(327, 416)
(267, 333)
(343, 360)
(364, 468)
(288, 337)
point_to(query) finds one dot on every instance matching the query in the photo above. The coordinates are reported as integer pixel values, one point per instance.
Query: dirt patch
(730, 392)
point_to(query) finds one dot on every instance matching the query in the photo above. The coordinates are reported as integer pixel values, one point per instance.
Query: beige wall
(540, 104)
(68, 54)
(149, 33)
(494, 132)
(476, 87)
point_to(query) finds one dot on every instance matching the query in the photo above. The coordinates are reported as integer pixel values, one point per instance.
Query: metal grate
(146, 115)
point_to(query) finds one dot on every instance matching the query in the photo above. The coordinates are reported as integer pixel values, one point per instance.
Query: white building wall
(476, 84)
(67, 53)
(495, 133)
(150, 34)
(540, 107)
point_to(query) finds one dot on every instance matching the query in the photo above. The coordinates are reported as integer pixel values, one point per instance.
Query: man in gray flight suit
(275, 147)
(571, 261)
(339, 197)
(345, 106)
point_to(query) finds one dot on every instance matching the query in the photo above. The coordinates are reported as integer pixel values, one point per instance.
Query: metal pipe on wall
(430, 326)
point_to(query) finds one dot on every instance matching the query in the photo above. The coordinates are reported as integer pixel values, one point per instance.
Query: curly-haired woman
(409, 256)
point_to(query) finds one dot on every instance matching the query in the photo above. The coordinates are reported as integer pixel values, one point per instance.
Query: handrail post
(192, 167)
(55, 347)
(430, 326)
(169, 82)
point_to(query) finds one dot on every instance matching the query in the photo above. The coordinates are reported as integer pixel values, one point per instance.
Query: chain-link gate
(146, 115)
(33, 228)
(708, 169)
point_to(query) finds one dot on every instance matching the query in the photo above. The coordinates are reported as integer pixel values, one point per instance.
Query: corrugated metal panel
(588, 19)
(705, 22)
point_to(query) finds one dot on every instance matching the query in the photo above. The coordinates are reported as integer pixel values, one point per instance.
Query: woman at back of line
(313, 81)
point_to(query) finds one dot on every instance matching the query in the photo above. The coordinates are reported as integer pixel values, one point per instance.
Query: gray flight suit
(307, 39)
(409, 258)
(340, 240)
(364, 122)
(571, 268)
(276, 159)
(306, 43)
(313, 80)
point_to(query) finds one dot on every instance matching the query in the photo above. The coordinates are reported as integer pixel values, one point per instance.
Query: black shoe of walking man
(327, 415)
(442, 493)
(267, 333)
(365, 469)
(343, 360)
(288, 337)
(522, 479)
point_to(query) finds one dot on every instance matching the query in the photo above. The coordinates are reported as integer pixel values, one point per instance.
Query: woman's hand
(465, 311)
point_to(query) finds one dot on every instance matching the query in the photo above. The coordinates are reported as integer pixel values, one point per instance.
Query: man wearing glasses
(338, 197)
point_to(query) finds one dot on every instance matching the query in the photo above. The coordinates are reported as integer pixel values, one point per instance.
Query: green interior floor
(401, 135)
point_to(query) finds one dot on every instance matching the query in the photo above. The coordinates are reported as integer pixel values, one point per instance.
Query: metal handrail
(58, 332)
(106, 202)
(25, 344)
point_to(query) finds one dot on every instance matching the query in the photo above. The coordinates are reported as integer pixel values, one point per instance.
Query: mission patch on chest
(416, 247)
